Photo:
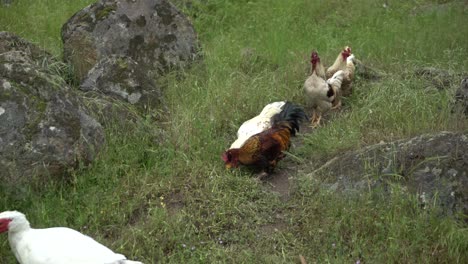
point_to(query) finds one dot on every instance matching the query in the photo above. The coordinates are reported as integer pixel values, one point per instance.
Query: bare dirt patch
(174, 203)
(279, 183)
(272, 228)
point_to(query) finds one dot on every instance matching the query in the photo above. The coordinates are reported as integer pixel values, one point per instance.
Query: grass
(40, 21)
(159, 193)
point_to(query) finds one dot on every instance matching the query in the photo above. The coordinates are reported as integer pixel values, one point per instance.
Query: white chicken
(57, 245)
(257, 124)
(345, 63)
(321, 94)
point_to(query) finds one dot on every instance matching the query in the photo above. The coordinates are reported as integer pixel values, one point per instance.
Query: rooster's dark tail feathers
(292, 114)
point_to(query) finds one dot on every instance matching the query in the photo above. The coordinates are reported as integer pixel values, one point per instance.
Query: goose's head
(12, 221)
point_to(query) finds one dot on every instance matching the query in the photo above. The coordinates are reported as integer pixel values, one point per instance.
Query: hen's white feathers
(348, 67)
(318, 90)
(350, 60)
(257, 124)
(336, 80)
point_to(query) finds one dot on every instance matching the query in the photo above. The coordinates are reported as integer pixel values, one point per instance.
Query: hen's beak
(228, 166)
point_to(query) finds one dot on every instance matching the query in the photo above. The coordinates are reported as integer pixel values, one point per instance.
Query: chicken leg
(336, 104)
(316, 119)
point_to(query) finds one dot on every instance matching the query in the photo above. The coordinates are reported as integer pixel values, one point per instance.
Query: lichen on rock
(151, 32)
(433, 164)
(44, 129)
(122, 78)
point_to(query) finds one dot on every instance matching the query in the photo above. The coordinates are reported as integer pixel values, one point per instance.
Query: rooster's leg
(262, 175)
(280, 157)
(336, 104)
(313, 119)
(316, 120)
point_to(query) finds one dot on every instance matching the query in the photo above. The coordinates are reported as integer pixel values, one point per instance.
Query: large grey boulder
(44, 131)
(428, 165)
(40, 57)
(12, 42)
(122, 78)
(151, 32)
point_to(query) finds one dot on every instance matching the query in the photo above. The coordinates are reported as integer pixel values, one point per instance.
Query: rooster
(258, 123)
(321, 94)
(344, 62)
(265, 149)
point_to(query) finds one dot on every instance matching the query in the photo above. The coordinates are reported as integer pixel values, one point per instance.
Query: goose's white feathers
(57, 245)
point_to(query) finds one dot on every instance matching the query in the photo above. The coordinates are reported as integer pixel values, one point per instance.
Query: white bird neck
(320, 70)
(18, 225)
(338, 62)
(350, 59)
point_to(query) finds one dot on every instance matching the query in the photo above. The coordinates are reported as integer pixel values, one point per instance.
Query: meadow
(159, 192)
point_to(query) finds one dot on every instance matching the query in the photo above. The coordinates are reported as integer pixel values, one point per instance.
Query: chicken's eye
(229, 156)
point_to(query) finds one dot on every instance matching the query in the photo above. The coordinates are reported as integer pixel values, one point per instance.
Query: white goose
(56, 245)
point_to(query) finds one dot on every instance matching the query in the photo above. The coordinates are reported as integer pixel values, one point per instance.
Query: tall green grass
(158, 191)
(39, 21)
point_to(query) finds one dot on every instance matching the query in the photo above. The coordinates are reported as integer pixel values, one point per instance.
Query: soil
(174, 203)
(280, 181)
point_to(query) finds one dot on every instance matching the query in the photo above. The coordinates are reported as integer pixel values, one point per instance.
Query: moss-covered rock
(433, 166)
(12, 42)
(44, 130)
(152, 32)
(122, 78)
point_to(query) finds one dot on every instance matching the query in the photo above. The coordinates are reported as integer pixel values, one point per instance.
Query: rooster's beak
(228, 166)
